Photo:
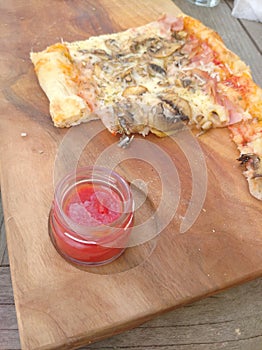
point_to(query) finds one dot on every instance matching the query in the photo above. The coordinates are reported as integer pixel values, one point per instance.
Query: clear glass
(205, 3)
(88, 244)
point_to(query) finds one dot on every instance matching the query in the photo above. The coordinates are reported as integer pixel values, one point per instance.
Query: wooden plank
(251, 344)
(252, 28)
(4, 260)
(255, 31)
(231, 31)
(230, 320)
(2, 233)
(58, 305)
(1, 210)
(9, 336)
(8, 319)
(9, 340)
(6, 292)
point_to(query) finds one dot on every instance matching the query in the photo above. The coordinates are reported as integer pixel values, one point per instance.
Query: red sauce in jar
(92, 205)
(90, 221)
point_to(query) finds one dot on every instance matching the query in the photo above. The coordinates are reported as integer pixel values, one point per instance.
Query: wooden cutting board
(213, 240)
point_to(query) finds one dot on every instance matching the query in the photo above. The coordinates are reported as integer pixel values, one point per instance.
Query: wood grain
(230, 320)
(253, 29)
(208, 258)
(3, 246)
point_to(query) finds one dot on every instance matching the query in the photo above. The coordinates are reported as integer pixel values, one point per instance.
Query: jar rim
(97, 173)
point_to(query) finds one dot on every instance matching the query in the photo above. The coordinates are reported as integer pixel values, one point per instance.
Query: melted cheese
(157, 75)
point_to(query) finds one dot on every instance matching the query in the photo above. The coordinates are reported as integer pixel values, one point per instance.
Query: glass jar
(205, 3)
(91, 216)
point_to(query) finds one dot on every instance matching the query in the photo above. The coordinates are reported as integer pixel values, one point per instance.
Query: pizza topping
(203, 55)
(238, 83)
(235, 113)
(207, 125)
(154, 68)
(163, 65)
(127, 75)
(162, 49)
(190, 46)
(179, 105)
(186, 82)
(254, 162)
(113, 45)
(250, 158)
(164, 118)
(134, 90)
(125, 141)
(172, 23)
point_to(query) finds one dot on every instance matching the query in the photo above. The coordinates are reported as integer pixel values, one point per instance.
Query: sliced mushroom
(123, 125)
(134, 47)
(179, 35)
(164, 83)
(164, 119)
(97, 70)
(83, 51)
(180, 105)
(112, 45)
(134, 90)
(154, 69)
(186, 82)
(100, 52)
(130, 117)
(153, 44)
(181, 62)
(251, 159)
(125, 141)
(140, 70)
(146, 43)
(126, 75)
(165, 50)
(97, 52)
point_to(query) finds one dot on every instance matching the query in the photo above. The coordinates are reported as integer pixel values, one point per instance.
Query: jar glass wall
(91, 216)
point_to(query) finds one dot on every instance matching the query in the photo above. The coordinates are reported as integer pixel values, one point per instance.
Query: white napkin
(248, 9)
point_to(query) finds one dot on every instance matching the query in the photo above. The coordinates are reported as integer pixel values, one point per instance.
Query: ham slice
(235, 114)
(211, 88)
(175, 24)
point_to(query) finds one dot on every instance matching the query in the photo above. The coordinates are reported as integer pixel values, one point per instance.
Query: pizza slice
(248, 138)
(151, 78)
(144, 79)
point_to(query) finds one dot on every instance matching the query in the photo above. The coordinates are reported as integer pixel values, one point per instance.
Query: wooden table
(229, 320)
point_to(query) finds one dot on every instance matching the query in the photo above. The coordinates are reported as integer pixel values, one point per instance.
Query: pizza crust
(57, 77)
(236, 65)
(255, 187)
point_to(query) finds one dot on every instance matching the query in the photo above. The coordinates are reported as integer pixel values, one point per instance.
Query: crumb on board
(213, 230)
(238, 332)
(204, 210)
(23, 134)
